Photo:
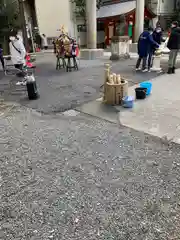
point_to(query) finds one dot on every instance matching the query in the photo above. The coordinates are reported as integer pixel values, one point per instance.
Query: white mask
(12, 38)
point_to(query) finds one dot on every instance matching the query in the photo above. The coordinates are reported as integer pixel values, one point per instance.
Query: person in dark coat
(2, 58)
(54, 45)
(146, 45)
(158, 35)
(174, 46)
(38, 40)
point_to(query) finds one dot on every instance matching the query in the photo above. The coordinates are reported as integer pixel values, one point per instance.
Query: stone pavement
(107, 54)
(159, 114)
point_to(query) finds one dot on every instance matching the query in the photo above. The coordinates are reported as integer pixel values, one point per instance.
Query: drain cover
(70, 113)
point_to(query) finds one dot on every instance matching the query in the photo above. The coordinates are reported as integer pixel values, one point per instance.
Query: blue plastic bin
(128, 102)
(147, 85)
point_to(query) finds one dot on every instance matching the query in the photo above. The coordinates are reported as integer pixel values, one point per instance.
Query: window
(146, 23)
(100, 26)
(81, 28)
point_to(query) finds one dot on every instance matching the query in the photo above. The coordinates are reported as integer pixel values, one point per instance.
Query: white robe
(17, 57)
(44, 41)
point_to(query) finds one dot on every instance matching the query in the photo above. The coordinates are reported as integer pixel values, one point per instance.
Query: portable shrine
(66, 52)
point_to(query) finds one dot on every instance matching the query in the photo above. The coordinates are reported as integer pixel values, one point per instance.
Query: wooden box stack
(115, 87)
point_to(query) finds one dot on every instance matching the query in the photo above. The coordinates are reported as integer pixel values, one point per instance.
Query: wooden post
(106, 78)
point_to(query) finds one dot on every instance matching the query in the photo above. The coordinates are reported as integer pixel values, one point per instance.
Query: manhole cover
(70, 113)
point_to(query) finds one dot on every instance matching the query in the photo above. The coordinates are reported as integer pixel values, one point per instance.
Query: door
(111, 32)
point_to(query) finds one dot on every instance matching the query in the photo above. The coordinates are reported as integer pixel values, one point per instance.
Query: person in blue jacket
(146, 45)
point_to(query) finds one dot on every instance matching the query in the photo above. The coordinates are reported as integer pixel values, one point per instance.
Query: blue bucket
(147, 85)
(128, 102)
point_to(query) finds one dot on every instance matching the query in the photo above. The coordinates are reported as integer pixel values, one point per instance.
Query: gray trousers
(143, 63)
(172, 58)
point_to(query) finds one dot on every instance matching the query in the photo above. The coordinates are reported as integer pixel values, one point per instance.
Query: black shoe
(173, 70)
(170, 71)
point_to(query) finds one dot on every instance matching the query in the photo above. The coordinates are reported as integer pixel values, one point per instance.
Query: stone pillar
(154, 22)
(139, 26)
(91, 24)
(91, 52)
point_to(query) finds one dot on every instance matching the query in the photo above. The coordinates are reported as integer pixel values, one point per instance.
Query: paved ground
(1, 75)
(159, 114)
(78, 177)
(60, 91)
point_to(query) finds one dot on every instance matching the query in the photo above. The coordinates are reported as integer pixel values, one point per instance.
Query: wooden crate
(113, 93)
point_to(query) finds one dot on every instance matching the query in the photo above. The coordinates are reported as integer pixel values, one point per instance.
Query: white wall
(52, 14)
(162, 7)
(166, 6)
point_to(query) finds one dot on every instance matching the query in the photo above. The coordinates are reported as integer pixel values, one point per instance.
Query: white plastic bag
(164, 47)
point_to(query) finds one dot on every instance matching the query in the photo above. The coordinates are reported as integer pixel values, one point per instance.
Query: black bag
(32, 90)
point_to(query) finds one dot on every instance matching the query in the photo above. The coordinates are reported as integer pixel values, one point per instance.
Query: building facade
(49, 16)
(118, 18)
(164, 10)
(114, 17)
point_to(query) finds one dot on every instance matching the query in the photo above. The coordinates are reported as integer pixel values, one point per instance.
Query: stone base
(156, 64)
(115, 57)
(156, 69)
(133, 47)
(91, 54)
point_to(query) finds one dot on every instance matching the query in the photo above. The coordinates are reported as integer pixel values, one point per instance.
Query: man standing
(145, 49)
(2, 58)
(44, 42)
(17, 51)
(174, 46)
(18, 54)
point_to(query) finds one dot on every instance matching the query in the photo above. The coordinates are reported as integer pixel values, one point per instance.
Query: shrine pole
(23, 23)
(91, 24)
(139, 21)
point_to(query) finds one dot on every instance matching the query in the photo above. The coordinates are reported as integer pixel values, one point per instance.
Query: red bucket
(77, 52)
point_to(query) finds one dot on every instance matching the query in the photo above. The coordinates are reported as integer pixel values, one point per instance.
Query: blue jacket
(146, 44)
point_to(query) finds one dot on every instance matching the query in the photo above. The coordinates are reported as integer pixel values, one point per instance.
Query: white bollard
(156, 64)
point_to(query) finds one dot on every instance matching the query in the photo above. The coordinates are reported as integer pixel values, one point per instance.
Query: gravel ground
(82, 178)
